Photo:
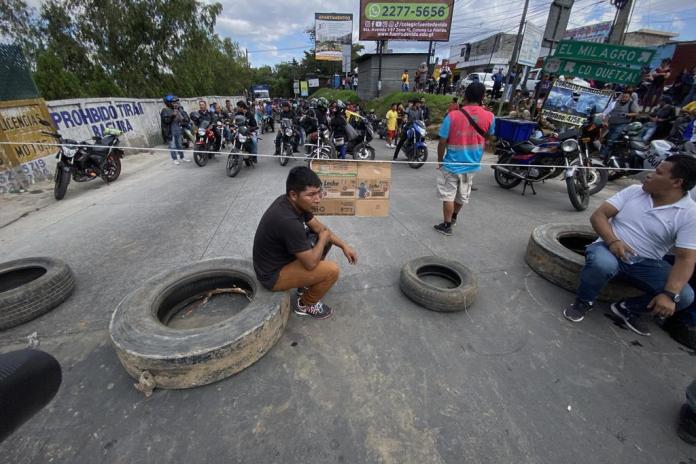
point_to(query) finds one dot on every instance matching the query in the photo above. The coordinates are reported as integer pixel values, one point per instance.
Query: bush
(436, 103)
(334, 94)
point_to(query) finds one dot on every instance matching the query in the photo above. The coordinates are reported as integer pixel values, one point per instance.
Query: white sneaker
(389, 145)
(176, 162)
(185, 160)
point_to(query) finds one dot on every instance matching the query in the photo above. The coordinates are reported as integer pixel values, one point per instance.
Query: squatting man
(290, 246)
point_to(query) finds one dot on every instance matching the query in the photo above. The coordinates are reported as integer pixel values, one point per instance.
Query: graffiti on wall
(22, 161)
(99, 117)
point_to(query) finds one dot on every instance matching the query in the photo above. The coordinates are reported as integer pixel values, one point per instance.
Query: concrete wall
(393, 66)
(80, 119)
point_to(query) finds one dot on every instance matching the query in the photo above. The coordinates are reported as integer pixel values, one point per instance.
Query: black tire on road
(201, 159)
(596, 178)
(504, 180)
(363, 152)
(112, 168)
(556, 253)
(62, 181)
(234, 164)
(285, 155)
(193, 357)
(421, 156)
(578, 190)
(459, 297)
(31, 287)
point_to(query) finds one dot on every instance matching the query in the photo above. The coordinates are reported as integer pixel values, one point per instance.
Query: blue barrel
(514, 130)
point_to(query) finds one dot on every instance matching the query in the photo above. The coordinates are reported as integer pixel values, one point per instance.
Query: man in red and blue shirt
(463, 135)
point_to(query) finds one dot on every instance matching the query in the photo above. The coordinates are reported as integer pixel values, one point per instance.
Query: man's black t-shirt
(280, 234)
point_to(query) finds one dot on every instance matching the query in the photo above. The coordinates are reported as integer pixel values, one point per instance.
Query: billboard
(593, 33)
(531, 45)
(420, 20)
(572, 104)
(331, 32)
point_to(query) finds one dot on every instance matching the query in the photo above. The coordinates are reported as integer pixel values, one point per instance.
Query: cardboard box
(335, 207)
(372, 208)
(373, 181)
(339, 186)
(334, 168)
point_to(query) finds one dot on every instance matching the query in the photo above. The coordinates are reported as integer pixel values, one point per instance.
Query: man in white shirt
(636, 228)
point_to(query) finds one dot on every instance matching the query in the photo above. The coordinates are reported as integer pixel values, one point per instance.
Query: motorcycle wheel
(285, 156)
(363, 152)
(234, 165)
(112, 168)
(504, 180)
(419, 158)
(62, 179)
(613, 175)
(596, 178)
(578, 190)
(201, 159)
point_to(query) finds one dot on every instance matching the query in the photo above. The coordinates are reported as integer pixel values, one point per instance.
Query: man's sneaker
(318, 310)
(454, 220)
(630, 319)
(687, 425)
(576, 311)
(443, 228)
(176, 162)
(679, 331)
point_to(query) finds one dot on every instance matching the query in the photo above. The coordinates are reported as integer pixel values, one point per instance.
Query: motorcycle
(320, 146)
(209, 138)
(288, 134)
(642, 157)
(85, 163)
(360, 147)
(415, 148)
(242, 139)
(267, 124)
(563, 154)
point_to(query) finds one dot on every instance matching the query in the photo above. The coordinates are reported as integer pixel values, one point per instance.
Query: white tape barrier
(336, 159)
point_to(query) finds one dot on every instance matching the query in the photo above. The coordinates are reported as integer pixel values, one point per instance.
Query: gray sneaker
(443, 229)
(576, 311)
(318, 310)
(631, 320)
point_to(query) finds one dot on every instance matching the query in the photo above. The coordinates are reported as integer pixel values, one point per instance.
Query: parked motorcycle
(288, 135)
(641, 157)
(242, 139)
(320, 145)
(85, 163)
(415, 148)
(209, 138)
(563, 154)
(267, 124)
(360, 146)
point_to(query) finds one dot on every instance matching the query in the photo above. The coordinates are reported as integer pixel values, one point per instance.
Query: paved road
(383, 380)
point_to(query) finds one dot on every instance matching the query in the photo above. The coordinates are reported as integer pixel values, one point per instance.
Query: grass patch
(336, 94)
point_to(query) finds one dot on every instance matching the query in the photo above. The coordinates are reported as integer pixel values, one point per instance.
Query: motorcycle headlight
(201, 131)
(569, 146)
(69, 152)
(288, 132)
(241, 138)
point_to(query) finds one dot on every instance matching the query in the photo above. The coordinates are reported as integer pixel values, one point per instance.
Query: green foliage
(437, 104)
(333, 94)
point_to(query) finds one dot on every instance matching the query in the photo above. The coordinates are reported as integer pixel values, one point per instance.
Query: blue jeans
(176, 147)
(648, 131)
(649, 275)
(253, 145)
(613, 134)
(404, 87)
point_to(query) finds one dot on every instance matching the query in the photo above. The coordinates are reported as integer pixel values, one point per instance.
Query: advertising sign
(296, 87)
(593, 71)
(592, 33)
(313, 82)
(304, 89)
(572, 104)
(420, 20)
(531, 45)
(615, 54)
(332, 31)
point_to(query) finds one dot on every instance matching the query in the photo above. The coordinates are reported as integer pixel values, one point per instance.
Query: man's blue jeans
(404, 87)
(612, 135)
(649, 275)
(176, 147)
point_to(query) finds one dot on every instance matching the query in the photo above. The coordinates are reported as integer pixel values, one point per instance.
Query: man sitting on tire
(285, 256)
(636, 228)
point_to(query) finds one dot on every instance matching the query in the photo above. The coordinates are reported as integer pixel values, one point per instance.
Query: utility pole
(513, 58)
(624, 8)
(380, 45)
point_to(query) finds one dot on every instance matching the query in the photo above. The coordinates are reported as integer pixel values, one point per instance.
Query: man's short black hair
(455, 99)
(301, 177)
(684, 168)
(474, 92)
(241, 104)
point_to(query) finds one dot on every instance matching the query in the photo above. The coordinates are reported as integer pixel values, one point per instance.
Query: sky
(273, 30)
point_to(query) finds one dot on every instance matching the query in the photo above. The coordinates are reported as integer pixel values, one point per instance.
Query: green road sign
(603, 53)
(593, 71)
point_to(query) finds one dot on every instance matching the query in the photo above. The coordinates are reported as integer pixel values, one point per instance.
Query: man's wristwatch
(673, 296)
